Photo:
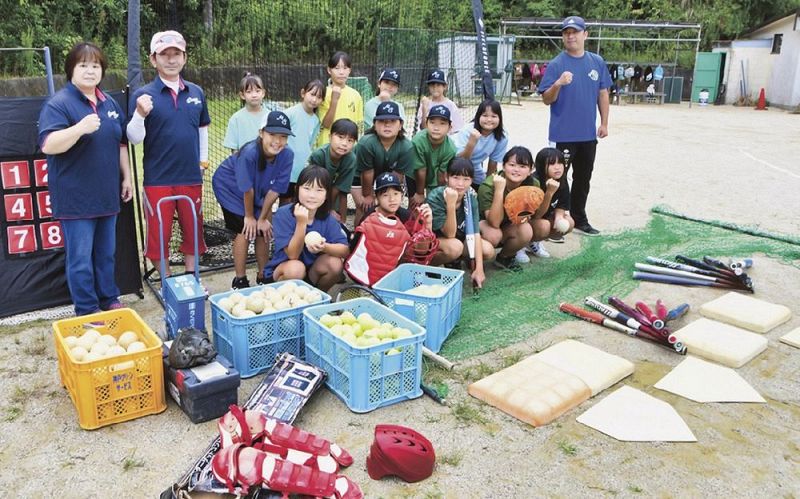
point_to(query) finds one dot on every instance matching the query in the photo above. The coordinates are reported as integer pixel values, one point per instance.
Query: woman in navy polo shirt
(80, 131)
(248, 184)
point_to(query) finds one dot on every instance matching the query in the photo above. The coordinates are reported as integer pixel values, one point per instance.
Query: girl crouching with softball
(309, 242)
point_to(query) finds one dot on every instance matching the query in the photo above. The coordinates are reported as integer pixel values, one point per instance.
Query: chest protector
(381, 243)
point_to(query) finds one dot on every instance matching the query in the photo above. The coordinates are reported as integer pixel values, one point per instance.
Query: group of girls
(309, 158)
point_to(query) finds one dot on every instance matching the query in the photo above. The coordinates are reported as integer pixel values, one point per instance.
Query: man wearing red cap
(575, 87)
(172, 120)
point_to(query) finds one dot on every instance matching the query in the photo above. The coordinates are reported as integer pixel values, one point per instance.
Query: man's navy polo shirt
(172, 139)
(84, 182)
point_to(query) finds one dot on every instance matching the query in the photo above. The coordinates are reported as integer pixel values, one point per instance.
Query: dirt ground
(720, 163)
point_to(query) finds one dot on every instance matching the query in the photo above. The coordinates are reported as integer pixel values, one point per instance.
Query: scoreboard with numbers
(27, 215)
(32, 256)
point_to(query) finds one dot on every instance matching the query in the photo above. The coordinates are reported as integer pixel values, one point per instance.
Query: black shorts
(233, 222)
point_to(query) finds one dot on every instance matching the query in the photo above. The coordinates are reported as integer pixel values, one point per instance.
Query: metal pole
(48, 66)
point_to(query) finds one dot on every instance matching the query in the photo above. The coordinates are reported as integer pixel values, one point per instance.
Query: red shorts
(152, 194)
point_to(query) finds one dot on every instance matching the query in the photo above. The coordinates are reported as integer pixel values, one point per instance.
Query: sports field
(718, 163)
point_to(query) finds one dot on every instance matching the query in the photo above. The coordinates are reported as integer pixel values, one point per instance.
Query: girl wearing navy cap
(247, 185)
(384, 147)
(80, 131)
(388, 86)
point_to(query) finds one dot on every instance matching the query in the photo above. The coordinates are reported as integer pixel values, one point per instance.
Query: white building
(768, 57)
(458, 56)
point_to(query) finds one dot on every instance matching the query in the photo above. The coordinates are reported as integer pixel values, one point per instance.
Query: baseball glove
(521, 203)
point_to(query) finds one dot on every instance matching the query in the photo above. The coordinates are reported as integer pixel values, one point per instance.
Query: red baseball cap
(166, 39)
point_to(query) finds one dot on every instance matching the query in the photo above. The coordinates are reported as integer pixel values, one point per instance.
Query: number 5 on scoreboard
(21, 239)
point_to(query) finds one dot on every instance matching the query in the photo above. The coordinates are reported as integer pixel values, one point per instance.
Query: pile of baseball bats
(640, 320)
(690, 272)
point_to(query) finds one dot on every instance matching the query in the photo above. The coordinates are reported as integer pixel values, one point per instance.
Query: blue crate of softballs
(253, 342)
(438, 314)
(366, 378)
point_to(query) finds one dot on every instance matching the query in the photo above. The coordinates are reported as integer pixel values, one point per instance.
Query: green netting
(515, 306)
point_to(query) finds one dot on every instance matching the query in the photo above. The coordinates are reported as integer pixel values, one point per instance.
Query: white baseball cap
(166, 39)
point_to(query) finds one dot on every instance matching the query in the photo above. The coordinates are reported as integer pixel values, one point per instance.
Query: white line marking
(769, 164)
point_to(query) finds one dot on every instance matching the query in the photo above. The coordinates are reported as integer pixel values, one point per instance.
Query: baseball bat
(469, 232)
(679, 266)
(627, 309)
(612, 313)
(738, 266)
(736, 277)
(595, 318)
(653, 318)
(682, 273)
(683, 281)
(677, 312)
(661, 310)
(705, 266)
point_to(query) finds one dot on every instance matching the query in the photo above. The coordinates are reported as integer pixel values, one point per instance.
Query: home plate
(702, 381)
(792, 338)
(631, 415)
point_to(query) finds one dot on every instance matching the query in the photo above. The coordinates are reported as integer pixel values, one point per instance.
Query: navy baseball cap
(277, 122)
(575, 22)
(390, 75)
(436, 76)
(386, 180)
(387, 111)
(439, 111)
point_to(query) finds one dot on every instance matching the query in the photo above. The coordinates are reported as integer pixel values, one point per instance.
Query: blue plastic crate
(366, 378)
(438, 315)
(252, 343)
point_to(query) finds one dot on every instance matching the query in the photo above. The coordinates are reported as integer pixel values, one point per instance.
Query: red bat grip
(653, 318)
(661, 310)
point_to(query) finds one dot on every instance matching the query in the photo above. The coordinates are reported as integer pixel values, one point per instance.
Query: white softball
(313, 238)
(561, 225)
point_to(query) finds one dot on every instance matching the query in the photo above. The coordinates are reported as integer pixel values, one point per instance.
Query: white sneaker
(537, 249)
(522, 257)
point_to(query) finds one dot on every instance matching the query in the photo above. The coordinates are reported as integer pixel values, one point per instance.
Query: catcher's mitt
(521, 203)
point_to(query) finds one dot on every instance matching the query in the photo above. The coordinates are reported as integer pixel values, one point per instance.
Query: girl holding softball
(552, 219)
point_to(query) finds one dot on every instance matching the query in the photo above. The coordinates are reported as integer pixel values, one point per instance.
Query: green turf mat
(515, 306)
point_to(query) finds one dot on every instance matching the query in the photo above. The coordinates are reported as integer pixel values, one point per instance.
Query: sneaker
(536, 248)
(522, 257)
(587, 229)
(507, 263)
(556, 238)
(115, 306)
(261, 280)
(240, 283)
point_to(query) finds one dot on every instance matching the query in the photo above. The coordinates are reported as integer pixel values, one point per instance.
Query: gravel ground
(723, 163)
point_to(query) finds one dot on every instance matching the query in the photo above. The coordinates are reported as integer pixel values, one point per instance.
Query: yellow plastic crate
(119, 388)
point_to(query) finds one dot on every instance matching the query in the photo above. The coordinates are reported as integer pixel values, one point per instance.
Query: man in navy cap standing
(575, 87)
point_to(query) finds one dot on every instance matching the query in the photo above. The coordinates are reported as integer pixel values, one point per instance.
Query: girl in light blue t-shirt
(243, 126)
(305, 124)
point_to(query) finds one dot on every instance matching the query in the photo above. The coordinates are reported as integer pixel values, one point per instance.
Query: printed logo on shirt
(193, 100)
(594, 75)
(390, 234)
(113, 114)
